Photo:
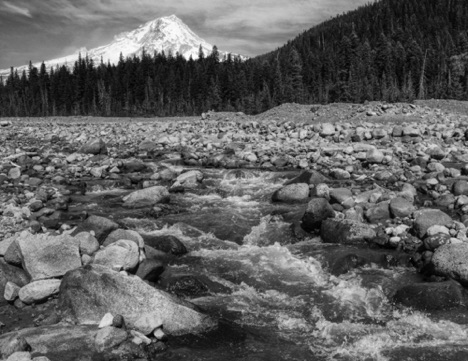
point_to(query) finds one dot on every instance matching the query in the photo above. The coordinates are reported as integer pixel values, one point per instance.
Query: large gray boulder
(318, 209)
(292, 193)
(426, 218)
(87, 243)
(147, 197)
(451, 260)
(190, 179)
(46, 256)
(346, 231)
(39, 291)
(88, 293)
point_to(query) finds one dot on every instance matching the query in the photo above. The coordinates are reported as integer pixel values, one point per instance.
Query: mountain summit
(168, 34)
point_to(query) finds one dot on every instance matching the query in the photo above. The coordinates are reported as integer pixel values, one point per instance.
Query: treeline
(392, 50)
(158, 84)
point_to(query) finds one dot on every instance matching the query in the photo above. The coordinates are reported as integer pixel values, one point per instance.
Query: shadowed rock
(432, 296)
(346, 231)
(101, 227)
(318, 209)
(88, 293)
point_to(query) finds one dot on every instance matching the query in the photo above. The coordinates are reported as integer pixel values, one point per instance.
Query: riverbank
(307, 232)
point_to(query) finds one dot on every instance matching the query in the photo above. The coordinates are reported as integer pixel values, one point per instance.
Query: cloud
(16, 9)
(241, 26)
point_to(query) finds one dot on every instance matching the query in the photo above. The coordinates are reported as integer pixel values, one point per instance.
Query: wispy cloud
(8, 7)
(240, 26)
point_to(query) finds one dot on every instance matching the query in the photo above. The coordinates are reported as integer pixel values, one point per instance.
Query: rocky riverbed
(334, 232)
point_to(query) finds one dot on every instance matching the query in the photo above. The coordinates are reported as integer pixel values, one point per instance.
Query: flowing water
(277, 298)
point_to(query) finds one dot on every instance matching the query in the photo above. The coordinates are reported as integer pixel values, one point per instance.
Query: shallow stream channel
(281, 294)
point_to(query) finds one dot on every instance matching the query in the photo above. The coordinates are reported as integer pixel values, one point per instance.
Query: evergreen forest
(390, 50)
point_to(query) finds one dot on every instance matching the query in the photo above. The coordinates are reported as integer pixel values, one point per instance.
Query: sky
(40, 30)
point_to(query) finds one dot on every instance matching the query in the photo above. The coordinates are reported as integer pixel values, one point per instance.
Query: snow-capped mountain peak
(169, 34)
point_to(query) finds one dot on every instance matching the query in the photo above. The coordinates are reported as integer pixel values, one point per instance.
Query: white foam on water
(266, 232)
(267, 265)
(355, 301)
(362, 341)
(256, 184)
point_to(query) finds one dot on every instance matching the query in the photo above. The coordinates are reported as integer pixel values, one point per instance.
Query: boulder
(190, 179)
(101, 227)
(39, 291)
(14, 173)
(327, 130)
(94, 146)
(87, 243)
(46, 256)
(460, 188)
(165, 243)
(378, 213)
(400, 207)
(147, 197)
(292, 193)
(425, 218)
(119, 234)
(374, 156)
(433, 296)
(88, 293)
(318, 209)
(342, 196)
(150, 270)
(435, 152)
(123, 253)
(340, 174)
(346, 231)
(13, 253)
(451, 260)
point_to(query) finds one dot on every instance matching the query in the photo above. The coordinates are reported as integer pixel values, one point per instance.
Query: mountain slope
(387, 50)
(168, 34)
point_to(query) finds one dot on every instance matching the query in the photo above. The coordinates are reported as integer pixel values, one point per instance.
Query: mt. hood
(168, 34)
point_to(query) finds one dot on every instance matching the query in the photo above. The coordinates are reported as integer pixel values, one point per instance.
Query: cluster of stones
(378, 217)
(102, 275)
